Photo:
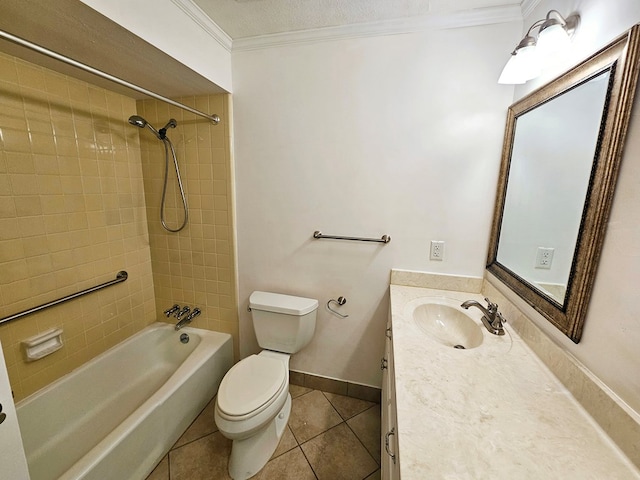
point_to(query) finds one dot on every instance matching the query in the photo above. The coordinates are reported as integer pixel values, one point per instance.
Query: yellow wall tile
(185, 265)
(57, 212)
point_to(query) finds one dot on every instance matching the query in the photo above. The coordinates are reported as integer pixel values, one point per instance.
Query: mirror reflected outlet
(544, 258)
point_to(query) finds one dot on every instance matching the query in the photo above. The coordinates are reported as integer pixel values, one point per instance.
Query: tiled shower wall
(194, 267)
(72, 214)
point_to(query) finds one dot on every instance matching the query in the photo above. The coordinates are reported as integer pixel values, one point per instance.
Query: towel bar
(384, 239)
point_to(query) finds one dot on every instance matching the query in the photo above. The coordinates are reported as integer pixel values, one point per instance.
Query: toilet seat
(250, 387)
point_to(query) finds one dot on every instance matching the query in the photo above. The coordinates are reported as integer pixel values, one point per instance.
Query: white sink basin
(448, 324)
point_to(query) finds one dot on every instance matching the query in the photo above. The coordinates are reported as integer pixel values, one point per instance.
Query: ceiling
(95, 40)
(250, 18)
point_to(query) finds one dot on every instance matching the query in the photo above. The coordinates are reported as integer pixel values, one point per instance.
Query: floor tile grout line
(334, 426)
(294, 436)
(278, 456)
(364, 446)
(345, 421)
(352, 416)
(292, 448)
(308, 462)
(324, 394)
(323, 432)
(378, 464)
(191, 441)
(320, 433)
(334, 408)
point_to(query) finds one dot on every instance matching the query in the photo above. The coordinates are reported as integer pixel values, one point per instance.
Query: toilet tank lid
(279, 303)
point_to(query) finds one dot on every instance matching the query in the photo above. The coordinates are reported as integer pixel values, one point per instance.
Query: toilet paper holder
(340, 301)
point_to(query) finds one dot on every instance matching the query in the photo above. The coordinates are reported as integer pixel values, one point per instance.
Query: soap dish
(43, 344)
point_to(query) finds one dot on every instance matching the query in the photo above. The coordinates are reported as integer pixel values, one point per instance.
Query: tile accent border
(618, 421)
(331, 385)
(459, 283)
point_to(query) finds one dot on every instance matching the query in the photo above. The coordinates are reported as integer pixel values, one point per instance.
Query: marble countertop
(492, 412)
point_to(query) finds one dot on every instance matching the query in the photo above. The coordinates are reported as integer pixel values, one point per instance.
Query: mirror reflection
(554, 146)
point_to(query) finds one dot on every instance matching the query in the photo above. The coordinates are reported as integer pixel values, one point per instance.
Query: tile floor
(328, 436)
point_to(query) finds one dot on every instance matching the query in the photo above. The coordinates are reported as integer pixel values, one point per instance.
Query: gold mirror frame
(622, 58)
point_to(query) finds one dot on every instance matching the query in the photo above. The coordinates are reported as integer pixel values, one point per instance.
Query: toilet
(253, 403)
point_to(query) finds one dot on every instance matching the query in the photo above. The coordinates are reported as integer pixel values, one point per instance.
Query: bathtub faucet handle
(194, 314)
(172, 310)
(182, 312)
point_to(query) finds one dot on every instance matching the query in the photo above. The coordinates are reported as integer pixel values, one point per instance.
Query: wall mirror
(560, 158)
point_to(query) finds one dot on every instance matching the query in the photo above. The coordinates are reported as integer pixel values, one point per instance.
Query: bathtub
(118, 415)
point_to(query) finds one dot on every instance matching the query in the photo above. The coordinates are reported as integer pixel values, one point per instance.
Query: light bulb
(553, 41)
(523, 65)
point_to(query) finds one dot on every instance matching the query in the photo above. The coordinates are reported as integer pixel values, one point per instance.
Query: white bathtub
(118, 415)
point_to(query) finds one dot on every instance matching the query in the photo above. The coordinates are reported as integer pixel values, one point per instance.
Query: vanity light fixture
(552, 40)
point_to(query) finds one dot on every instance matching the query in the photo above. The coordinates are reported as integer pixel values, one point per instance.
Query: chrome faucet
(182, 322)
(172, 310)
(492, 318)
(182, 312)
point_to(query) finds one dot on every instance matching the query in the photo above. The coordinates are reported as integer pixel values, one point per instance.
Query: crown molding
(470, 18)
(203, 21)
(528, 6)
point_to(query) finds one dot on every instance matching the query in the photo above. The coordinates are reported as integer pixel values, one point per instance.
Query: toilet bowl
(252, 409)
(253, 402)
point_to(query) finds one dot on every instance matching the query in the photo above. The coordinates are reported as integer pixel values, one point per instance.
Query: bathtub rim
(151, 327)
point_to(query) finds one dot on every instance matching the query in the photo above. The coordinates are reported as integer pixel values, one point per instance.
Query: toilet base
(249, 455)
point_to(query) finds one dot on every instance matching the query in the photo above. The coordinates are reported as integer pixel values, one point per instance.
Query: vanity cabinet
(436, 415)
(390, 461)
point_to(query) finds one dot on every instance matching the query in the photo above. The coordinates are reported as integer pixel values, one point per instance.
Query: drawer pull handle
(386, 444)
(383, 363)
(388, 332)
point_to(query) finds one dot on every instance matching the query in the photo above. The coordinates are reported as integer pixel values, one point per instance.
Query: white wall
(397, 135)
(609, 344)
(168, 27)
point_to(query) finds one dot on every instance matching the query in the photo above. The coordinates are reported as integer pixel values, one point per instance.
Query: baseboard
(331, 385)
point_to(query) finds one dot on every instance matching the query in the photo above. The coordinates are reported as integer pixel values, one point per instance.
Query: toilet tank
(283, 323)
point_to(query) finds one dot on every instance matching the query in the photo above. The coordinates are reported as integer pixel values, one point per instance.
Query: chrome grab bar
(70, 61)
(383, 239)
(120, 277)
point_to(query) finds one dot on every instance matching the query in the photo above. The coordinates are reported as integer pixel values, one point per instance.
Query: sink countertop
(492, 412)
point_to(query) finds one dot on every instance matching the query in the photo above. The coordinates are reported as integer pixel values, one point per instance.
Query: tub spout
(188, 318)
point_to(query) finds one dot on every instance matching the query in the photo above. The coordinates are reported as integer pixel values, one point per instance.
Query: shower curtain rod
(49, 53)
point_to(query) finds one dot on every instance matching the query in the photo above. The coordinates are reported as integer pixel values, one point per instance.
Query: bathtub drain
(184, 338)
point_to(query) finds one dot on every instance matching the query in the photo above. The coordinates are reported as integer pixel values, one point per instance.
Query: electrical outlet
(437, 250)
(544, 257)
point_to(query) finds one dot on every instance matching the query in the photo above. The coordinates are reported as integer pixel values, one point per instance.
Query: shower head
(138, 121)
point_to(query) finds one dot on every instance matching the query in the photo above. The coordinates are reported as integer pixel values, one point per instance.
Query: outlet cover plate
(437, 250)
